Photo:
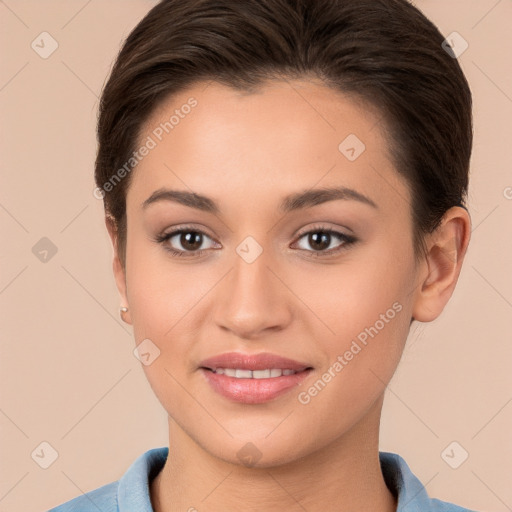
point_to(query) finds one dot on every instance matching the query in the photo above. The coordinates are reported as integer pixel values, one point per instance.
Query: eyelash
(347, 241)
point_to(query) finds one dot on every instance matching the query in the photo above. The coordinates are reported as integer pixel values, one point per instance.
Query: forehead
(279, 111)
(285, 136)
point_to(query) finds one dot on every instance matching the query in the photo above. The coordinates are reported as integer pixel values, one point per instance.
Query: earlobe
(118, 270)
(446, 249)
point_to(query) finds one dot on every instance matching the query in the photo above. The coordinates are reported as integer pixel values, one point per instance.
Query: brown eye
(185, 242)
(320, 239)
(191, 240)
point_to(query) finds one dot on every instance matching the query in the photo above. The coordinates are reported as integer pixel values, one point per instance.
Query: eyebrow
(292, 202)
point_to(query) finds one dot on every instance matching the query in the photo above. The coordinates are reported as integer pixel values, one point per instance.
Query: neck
(345, 475)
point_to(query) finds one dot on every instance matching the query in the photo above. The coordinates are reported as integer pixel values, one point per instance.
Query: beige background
(68, 373)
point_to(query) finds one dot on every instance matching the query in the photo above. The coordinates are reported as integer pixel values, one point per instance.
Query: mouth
(240, 373)
(253, 379)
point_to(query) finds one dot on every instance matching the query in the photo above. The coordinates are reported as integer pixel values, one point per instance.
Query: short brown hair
(385, 52)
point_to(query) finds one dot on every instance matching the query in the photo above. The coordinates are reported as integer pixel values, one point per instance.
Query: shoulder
(104, 498)
(129, 494)
(410, 492)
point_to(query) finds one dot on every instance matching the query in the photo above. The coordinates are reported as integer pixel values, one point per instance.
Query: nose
(253, 300)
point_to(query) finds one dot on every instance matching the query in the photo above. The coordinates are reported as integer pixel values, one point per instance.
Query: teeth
(253, 374)
(261, 374)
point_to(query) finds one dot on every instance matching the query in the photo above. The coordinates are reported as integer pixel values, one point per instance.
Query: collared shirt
(131, 492)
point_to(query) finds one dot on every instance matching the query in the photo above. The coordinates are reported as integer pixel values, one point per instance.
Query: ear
(119, 272)
(439, 272)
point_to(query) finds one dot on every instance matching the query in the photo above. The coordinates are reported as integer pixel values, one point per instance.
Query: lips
(255, 378)
(262, 361)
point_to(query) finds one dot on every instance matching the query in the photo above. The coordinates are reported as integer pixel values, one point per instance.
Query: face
(266, 265)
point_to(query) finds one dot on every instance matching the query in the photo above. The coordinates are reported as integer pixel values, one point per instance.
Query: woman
(284, 185)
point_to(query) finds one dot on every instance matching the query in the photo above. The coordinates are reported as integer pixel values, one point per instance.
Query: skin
(246, 152)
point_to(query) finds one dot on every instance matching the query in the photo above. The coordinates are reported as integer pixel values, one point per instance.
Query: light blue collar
(133, 489)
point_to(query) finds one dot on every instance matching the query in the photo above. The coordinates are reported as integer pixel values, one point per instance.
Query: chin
(258, 451)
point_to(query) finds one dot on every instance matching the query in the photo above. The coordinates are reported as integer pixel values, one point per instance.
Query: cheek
(163, 297)
(361, 360)
(161, 291)
(353, 295)
(168, 301)
(364, 306)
